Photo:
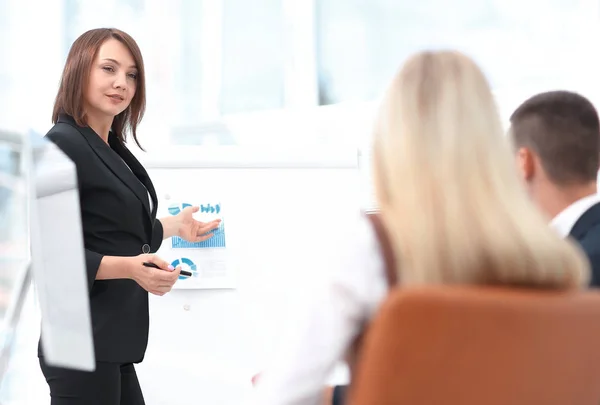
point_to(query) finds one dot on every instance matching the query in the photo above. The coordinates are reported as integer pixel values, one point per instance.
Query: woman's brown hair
(73, 84)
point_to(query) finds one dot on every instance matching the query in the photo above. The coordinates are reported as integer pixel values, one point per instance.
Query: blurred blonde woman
(454, 212)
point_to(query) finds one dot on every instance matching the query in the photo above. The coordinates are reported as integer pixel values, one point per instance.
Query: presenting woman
(100, 102)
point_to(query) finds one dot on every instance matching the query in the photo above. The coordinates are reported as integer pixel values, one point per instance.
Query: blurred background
(301, 72)
(282, 72)
(212, 64)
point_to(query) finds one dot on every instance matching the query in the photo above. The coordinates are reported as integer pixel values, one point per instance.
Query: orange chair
(481, 346)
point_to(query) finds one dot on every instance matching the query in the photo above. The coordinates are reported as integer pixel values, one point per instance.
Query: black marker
(154, 266)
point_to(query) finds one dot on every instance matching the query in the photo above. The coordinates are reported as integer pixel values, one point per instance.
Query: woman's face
(112, 82)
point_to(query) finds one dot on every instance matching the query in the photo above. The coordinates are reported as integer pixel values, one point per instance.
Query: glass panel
(208, 58)
(253, 55)
(13, 219)
(521, 45)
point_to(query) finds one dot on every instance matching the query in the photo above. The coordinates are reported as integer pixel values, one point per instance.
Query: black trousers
(109, 384)
(339, 395)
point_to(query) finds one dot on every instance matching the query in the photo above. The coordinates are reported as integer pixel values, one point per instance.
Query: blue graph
(186, 264)
(210, 209)
(217, 241)
(175, 209)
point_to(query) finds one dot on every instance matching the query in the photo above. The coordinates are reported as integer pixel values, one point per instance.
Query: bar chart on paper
(217, 241)
(206, 260)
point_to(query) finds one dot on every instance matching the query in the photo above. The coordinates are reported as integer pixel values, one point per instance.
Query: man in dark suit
(557, 141)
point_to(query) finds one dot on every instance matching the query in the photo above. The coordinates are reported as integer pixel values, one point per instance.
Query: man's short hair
(562, 129)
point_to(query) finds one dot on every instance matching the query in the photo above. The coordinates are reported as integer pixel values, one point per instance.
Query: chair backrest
(481, 346)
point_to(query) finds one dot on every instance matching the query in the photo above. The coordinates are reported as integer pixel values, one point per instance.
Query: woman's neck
(101, 126)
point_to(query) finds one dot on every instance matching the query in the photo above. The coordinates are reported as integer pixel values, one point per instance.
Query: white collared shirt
(147, 192)
(563, 222)
(315, 340)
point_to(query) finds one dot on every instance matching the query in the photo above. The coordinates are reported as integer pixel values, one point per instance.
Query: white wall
(283, 210)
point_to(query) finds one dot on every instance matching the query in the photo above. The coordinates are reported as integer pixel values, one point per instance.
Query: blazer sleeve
(157, 235)
(92, 263)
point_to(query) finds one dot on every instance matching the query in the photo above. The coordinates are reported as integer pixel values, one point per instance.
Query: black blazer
(586, 231)
(117, 221)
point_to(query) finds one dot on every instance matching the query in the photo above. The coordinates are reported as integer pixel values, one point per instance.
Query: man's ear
(526, 163)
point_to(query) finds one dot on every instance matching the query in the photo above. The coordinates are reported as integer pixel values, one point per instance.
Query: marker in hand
(154, 266)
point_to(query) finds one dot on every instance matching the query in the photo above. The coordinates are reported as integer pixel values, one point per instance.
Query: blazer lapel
(588, 220)
(114, 162)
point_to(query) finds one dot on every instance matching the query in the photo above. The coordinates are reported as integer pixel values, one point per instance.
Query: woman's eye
(108, 68)
(132, 75)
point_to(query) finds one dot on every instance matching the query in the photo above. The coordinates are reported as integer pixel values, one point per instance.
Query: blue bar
(217, 241)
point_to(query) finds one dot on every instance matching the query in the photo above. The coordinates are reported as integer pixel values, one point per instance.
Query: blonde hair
(447, 186)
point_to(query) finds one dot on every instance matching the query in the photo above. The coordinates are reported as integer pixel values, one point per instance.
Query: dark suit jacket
(587, 232)
(117, 221)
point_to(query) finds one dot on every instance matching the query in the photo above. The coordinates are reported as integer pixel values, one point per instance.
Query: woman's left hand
(193, 230)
